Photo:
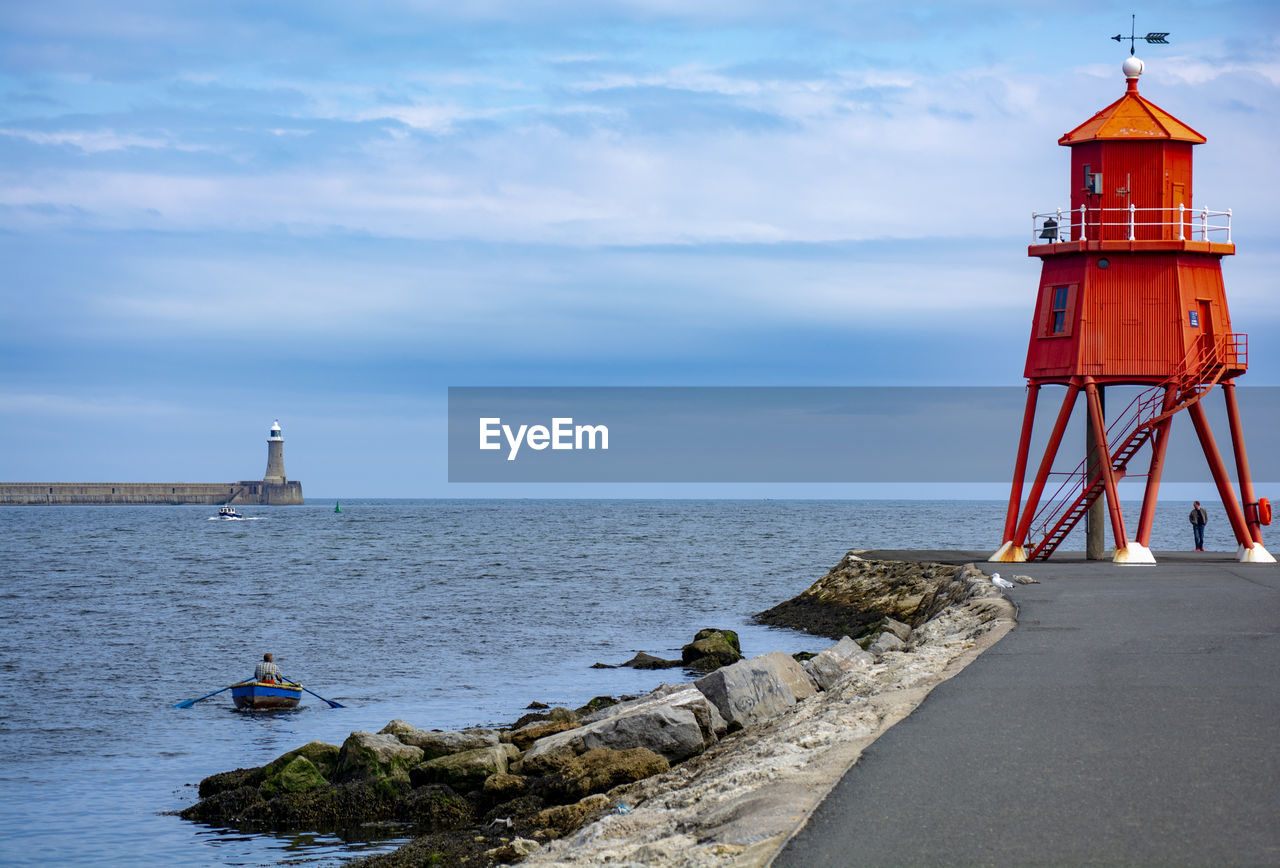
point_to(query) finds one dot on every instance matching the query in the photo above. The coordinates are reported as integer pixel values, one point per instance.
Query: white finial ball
(1132, 67)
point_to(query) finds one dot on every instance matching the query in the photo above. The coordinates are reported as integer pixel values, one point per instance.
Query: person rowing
(267, 671)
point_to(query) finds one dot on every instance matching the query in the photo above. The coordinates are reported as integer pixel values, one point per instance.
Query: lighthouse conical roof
(1132, 117)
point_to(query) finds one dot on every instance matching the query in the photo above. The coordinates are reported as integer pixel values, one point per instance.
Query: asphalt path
(1132, 717)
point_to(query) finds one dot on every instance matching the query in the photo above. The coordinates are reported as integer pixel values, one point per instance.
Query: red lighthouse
(1131, 294)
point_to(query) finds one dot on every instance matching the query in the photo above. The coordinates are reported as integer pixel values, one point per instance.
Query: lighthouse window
(1059, 311)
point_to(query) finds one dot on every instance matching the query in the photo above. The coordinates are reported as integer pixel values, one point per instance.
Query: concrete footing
(1256, 555)
(1009, 554)
(1134, 554)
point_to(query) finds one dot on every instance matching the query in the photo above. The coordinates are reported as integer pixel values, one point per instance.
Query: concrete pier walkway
(1132, 717)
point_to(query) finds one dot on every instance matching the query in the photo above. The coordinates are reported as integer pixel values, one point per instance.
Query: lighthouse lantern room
(1131, 293)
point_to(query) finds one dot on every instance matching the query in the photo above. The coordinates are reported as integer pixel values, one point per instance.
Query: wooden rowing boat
(265, 695)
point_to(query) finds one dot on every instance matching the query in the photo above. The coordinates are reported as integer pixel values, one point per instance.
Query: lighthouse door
(1177, 196)
(1206, 329)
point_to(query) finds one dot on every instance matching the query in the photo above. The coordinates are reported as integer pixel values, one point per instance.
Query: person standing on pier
(1199, 518)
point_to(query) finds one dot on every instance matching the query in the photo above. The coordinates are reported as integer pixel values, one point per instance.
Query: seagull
(999, 582)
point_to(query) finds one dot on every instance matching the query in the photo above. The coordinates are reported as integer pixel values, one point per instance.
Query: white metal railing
(1131, 224)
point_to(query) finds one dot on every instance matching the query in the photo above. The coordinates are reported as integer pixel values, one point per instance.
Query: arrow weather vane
(1152, 38)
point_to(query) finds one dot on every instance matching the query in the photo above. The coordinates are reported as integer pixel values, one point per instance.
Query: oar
(332, 704)
(191, 702)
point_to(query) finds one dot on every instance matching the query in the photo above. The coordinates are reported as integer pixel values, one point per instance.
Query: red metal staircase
(1205, 365)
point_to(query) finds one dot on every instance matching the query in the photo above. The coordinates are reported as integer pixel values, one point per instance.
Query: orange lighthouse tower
(1131, 294)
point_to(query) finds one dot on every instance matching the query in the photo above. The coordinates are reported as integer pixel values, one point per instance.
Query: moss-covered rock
(561, 820)
(322, 755)
(547, 762)
(516, 850)
(437, 743)
(227, 807)
(437, 808)
(464, 771)
(338, 807)
(711, 649)
(599, 702)
(644, 660)
(560, 714)
(297, 776)
(856, 595)
(601, 769)
(233, 780)
(366, 756)
(501, 787)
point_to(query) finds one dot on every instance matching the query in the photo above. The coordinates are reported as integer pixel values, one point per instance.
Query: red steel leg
(1159, 445)
(1104, 462)
(1046, 463)
(1242, 460)
(1219, 470)
(1020, 465)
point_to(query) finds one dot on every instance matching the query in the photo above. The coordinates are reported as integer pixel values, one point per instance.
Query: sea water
(446, 613)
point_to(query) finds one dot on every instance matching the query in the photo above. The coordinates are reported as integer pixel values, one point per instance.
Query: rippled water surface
(445, 613)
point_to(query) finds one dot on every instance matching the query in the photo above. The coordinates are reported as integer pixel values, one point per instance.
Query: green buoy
(337, 506)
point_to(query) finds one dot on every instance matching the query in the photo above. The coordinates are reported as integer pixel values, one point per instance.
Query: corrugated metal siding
(1081, 156)
(1130, 319)
(1149, 170)
(1200, 277)
(1132, 303)
(1056, 355)
(1177, 186)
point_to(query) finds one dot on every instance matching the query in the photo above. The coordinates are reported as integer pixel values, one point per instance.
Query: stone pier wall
(141, 493)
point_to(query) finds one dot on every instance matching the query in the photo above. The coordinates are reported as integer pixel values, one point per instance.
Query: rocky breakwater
(903, 628)
(722, 768)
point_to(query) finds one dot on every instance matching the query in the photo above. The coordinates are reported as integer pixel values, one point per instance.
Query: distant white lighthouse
(275, 455)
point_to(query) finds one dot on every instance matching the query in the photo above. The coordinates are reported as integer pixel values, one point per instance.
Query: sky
(213, 216)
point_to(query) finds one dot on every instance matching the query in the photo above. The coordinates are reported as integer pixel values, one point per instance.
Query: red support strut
(1219, 470)
(1104, 464)
(1159, 445)
(1046, 463)
(1020, 465)
(1242, 462)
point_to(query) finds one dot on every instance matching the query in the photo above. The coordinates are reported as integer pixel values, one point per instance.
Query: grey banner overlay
(808, 434)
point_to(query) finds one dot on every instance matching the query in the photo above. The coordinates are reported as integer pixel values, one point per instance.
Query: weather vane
(1152, 38)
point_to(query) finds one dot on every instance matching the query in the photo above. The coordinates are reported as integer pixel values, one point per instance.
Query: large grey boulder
(686, 696)
(897, 628)
(435, 743)
(668, 726)
(525, 736)
(365, 755)
(886, 641)
(754, 690)
(831, 665)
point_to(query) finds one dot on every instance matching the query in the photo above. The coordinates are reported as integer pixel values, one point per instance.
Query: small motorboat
(228, 512)
(265, 695)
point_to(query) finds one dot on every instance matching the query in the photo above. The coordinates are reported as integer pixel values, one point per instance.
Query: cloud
(97, 141)
(63, 406)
